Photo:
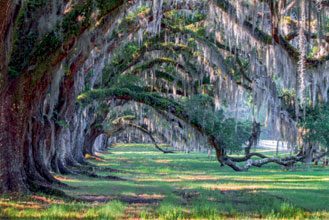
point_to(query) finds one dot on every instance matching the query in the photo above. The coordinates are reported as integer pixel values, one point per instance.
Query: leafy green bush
(214, 122)
(316, 125)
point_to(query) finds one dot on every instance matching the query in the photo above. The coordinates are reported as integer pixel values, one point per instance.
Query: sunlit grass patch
(66, 179)
(4, 204)
(163, 161)
(230, 187)
(111, 210)
(68, 210)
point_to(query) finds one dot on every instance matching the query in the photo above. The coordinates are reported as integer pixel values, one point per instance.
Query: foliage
(24, 39)
(152, 99)
(316, 124)
(126, 55)
(288, 97)
(119, 62)
(29, 47)
(178, 19)
(131, 82)
(235, 66)
(141, 11)
(214, 122)
(105, 6)
(130, 21)
(48, 44)
(71, 25)
(314, 51)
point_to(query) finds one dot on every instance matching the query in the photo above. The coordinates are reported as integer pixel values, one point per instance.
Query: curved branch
(286, 162)
(123, 122)
(150, 135)
(164, 104)
(263, 37)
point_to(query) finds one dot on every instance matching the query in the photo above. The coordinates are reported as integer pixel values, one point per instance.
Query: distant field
(181, 186)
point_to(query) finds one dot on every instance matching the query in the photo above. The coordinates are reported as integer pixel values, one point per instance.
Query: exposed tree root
(287, 162)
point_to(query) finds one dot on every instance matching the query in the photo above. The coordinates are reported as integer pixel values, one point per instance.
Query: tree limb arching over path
(55, 52)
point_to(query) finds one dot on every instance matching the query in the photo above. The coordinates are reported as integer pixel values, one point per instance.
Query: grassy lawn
(181, 186)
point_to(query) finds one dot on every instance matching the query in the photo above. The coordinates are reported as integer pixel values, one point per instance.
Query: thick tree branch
(164, 104)
(263, 37)
(150, 135)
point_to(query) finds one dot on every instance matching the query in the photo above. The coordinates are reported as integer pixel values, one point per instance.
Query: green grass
(184, 186)
(28, 208)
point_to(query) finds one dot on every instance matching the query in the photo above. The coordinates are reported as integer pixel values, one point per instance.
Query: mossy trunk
(12, 128)
(12, 176)
(89, 141)
(40, 96)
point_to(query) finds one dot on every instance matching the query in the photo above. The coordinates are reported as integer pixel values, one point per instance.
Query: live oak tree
(269, 55)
